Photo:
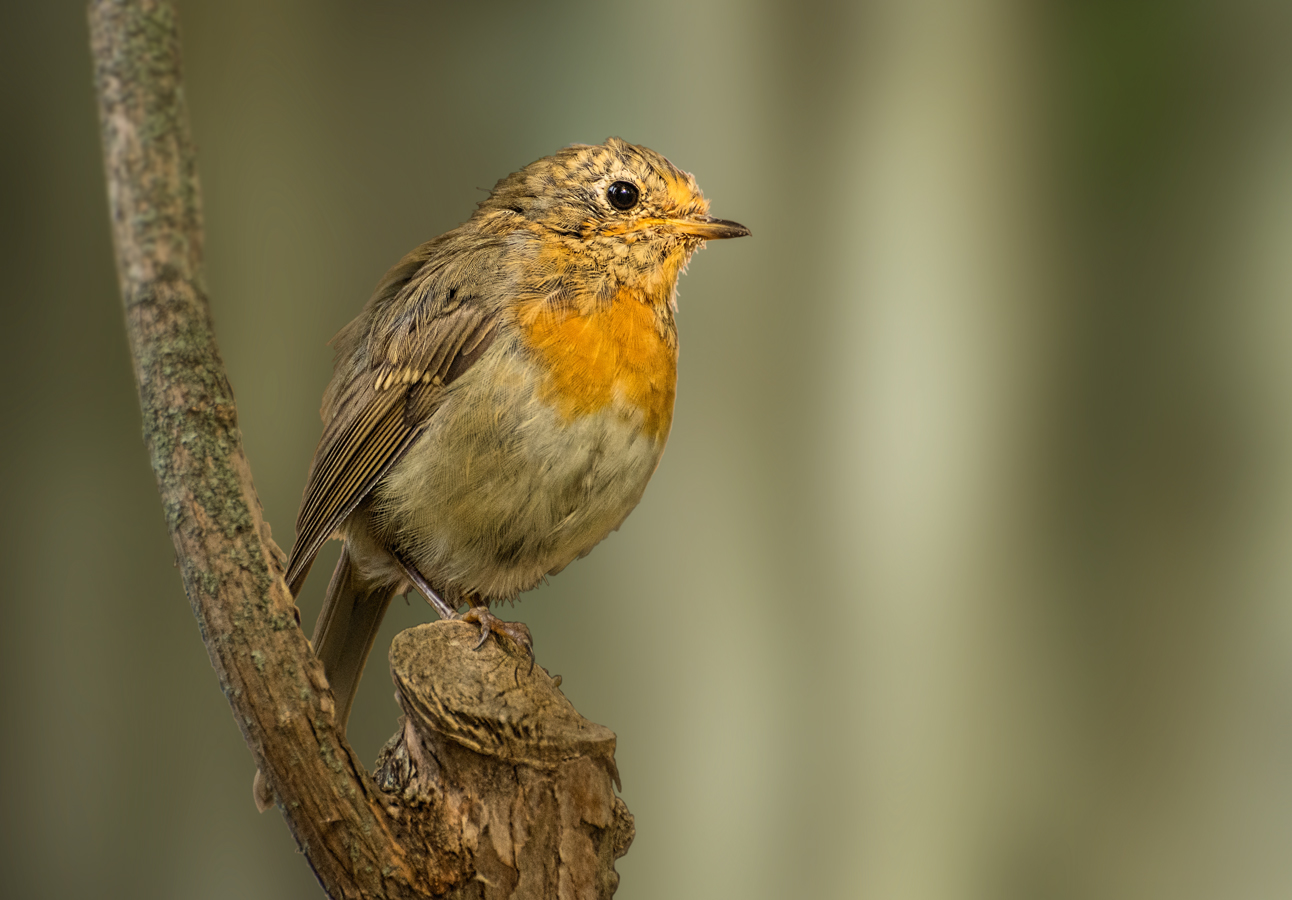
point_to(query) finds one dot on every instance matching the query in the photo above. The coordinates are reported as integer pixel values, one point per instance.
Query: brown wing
(379, 413)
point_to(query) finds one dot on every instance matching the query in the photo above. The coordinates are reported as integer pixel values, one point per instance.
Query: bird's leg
(411, 573)
(488, 622)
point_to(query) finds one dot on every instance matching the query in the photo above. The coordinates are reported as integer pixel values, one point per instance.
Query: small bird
(499, 404)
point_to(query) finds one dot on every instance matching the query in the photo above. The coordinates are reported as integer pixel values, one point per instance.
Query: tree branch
(425, 834)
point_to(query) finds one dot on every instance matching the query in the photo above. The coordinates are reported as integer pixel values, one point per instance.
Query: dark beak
(708, 228)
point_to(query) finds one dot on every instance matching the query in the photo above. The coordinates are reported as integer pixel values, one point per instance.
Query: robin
(499, 404)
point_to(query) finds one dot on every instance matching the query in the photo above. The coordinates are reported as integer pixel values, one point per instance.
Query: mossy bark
(360, 840)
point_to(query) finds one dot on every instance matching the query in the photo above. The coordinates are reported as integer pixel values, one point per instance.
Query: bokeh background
(968, 573)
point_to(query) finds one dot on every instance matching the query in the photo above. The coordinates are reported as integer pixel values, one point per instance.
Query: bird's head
(615, 207)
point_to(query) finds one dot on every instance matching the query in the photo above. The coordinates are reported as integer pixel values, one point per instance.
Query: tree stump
(492, 756)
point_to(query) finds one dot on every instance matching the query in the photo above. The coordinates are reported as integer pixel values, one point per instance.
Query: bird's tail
(343, 638)
(346, 628)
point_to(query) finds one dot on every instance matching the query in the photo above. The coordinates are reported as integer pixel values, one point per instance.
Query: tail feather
(346, 629)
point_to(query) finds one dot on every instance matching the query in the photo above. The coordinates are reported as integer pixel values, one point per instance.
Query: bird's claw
(491, 624)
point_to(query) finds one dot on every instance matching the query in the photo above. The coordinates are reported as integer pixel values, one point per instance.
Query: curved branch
(502, 790)
(231, 568)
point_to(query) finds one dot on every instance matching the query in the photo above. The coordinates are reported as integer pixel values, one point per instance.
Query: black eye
(623, 195)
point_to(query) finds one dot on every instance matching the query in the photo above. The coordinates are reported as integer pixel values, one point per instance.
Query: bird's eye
(623, 195)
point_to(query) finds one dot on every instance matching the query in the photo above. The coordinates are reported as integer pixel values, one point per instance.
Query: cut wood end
(490, 700)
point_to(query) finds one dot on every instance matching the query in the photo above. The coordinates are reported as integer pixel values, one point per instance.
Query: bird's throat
(619, 356)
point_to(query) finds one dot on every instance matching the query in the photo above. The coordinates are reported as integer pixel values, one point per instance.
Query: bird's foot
(491, 624)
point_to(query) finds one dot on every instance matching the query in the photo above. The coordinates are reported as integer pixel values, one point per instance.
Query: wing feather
(378, 415)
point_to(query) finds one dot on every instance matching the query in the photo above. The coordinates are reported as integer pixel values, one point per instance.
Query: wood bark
(494, 786)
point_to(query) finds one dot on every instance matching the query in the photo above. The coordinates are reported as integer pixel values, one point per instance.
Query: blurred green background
(968, 573)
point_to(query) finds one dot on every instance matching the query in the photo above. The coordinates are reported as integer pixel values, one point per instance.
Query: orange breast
(616, 352)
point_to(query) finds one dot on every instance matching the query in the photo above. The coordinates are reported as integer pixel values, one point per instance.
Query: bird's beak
(708, 228)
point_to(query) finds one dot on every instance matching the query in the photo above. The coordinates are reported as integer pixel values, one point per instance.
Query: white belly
(501, 490)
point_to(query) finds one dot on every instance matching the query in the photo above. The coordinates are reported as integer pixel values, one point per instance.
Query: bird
(499, 404)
